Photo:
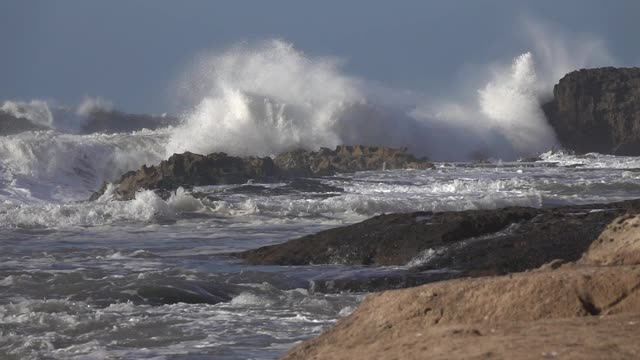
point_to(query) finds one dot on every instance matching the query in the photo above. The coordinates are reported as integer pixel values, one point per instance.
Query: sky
(133, 52)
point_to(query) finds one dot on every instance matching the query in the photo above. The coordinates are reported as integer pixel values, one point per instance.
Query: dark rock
(189, 170)
(109, 121)
(10, 124)
(476, 241)
(347, 158)
(371, 281)
(598, 110)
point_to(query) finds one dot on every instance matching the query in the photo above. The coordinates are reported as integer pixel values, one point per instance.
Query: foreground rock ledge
(581, 310)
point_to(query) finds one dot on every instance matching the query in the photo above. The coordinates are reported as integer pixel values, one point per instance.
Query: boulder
(597, 110)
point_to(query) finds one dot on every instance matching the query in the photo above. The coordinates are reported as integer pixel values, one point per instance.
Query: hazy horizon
(135, 54)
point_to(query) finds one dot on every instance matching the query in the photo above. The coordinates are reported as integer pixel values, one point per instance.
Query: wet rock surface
(476, 241)
(188, 169)
(598, 110)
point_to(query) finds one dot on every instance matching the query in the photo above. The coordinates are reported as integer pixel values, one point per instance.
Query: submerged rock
(598, 110)
(475, 241)
(574, 311)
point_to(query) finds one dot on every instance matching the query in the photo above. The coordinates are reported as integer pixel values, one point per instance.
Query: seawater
(148, 278)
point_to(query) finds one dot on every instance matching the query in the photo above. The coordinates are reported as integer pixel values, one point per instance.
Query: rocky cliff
(597, 110)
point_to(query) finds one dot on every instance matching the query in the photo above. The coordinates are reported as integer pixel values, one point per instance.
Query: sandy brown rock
(619, 243)
(531, 313)
(562, 310)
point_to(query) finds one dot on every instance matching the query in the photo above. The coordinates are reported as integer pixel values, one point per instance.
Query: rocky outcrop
(110, 121)
(574, 311)
(190, 169)
(473, 242)
(619, 243)
(347, 158)
(598, 110)
(10, 124)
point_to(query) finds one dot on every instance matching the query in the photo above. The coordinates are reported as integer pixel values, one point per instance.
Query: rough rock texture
(476, 241)
(347, 158)
(598, 110)
(115, 121)
(619, 243)
(190, 169)
(573, 311)
(10, 124)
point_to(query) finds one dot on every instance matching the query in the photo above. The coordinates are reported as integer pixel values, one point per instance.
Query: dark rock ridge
(472, 242)
(190, 169)
(111, 121)
(597, 110)
(10, 124)
(347, 158)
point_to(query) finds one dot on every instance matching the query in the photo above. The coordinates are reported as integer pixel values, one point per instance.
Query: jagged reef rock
(190, 169)
(598, 110)
(347, 158)
(575, 311)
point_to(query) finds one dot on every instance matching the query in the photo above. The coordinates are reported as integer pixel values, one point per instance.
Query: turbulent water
(147, 278)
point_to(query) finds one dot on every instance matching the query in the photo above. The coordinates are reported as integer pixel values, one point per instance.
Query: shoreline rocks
(474, 242)
(597, 110)
(188, 169)
(579, 310)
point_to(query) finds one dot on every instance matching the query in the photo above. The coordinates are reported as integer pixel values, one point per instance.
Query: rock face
(598, 110)
(10, 124)
(346, 158)
(474, 242)
(619, 243)
(190, 169)
(575, 311)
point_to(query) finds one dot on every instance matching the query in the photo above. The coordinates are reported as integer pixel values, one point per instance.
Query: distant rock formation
(347, 158)
(111, 121)
(598, 110)
(190, 169)
(589, 309)
(10, 125)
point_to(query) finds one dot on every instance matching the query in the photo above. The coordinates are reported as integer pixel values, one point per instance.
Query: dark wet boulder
(475, 241)
(10, 124)
(188, 170)
(346, 159)
(597, 110)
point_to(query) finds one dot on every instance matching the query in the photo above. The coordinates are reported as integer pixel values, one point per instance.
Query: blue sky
(132, 52)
